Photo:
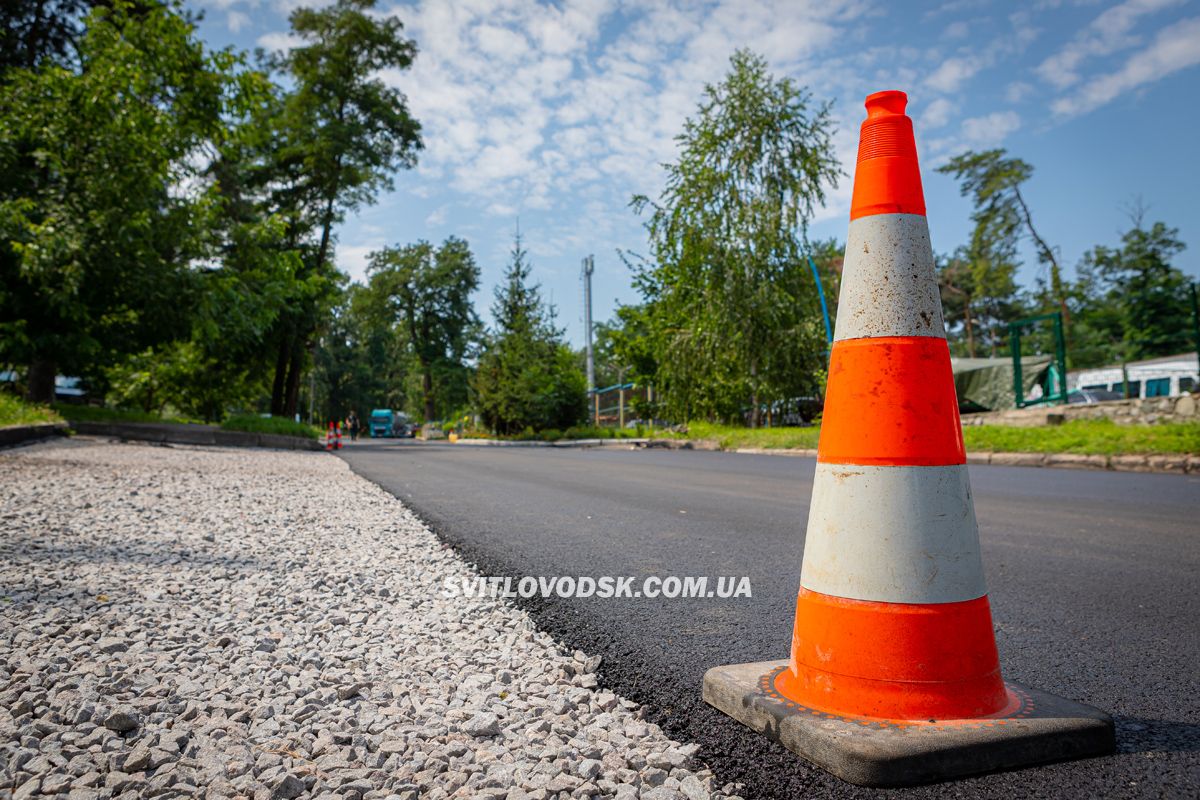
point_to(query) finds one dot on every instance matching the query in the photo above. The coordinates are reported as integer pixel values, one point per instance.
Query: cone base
(872, 752)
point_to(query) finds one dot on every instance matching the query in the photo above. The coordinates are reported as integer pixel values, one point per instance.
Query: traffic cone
(894, 677)
(338, 438)
(329, 437)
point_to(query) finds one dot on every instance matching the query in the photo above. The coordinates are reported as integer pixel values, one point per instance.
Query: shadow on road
(1140, 735)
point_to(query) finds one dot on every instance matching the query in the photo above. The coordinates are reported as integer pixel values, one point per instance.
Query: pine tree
(527, 377)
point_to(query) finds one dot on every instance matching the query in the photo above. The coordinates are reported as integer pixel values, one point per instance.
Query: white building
(1166, 376)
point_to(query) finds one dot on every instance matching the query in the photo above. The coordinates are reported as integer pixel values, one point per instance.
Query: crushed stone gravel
(201, 622)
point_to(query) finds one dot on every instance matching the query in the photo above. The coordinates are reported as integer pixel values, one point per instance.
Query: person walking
(352, 424)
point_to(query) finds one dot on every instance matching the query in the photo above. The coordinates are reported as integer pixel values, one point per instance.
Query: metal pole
(1014, 337)
(1196, 325)
(621, 399)
(1060, 353)
(824, 307)
(589, 265)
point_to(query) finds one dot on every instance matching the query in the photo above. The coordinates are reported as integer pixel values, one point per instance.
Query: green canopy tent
(986, 384)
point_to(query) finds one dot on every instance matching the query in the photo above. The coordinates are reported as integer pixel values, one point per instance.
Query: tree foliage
(428, 291)
(730, 299)
(526, 376)
(97, 223)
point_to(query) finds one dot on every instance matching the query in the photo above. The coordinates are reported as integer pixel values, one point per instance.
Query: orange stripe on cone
(891, 400)
(894, 660)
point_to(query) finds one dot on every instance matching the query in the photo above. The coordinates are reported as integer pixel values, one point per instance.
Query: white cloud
(352, 259)
(528, 106)
(956, 30)
(1175, 48)
(1017, 91)
(1108, 33)
(278, 40)
(436, 217)
(936, 114)
(991, 129)
(236, 20)
(952, 73)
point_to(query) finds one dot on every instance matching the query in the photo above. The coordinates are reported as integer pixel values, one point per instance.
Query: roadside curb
(570, 443)
(1169, 463)
(164, 433)
(13, 435)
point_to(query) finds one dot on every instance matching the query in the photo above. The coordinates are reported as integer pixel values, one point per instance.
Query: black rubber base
(872, 752)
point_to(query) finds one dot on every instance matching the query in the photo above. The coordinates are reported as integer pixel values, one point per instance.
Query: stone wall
(1124, 412)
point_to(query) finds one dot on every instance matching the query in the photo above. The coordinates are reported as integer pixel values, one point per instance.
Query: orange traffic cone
(329, 437)
(338, 438)
(894, 677)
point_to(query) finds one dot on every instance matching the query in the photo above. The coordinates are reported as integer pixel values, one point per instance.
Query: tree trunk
(754, 413)
(967, 323)
(277, 388)
(296, 365)
(427, 390)
(41, 380)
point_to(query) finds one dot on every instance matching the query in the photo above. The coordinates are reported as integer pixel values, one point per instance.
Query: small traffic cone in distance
(338, 438)
(329, 437)
(894, 677)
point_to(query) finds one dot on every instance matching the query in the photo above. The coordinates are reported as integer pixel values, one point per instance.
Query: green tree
(34, 32)
(1145, 305)
(362, 360)
(731, 301)
(342, 132)
(993, 182)
(979, 293)
(429, 292)
(526, 376)
(97, 225)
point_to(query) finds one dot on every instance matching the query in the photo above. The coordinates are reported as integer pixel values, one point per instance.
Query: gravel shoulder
(180, 621)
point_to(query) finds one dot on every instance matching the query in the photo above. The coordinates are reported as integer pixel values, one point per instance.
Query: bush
(280, 426)
(551, 435)
(77, 413)
(14, 411)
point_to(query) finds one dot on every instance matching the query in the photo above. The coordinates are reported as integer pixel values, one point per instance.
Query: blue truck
(385, 423)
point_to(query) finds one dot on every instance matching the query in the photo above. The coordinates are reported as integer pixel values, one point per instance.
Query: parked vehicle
(388, 424)
(1089, 396)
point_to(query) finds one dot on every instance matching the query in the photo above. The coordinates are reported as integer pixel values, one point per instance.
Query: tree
(362, 360)
(1001, 213)
(96, 218)
(731, 300)
(342, 132)
(527, 377)
(429, 293)
(35, 32)
(979, 293)
(1146, 306)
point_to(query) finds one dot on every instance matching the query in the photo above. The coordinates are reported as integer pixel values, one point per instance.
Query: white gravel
(205, 622)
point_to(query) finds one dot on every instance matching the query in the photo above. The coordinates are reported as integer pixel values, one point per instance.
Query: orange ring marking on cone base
(891, 401)
(894, 660)
(887, 179)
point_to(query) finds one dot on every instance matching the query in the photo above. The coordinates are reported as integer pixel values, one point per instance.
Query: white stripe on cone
(889, 283)
(893, 534)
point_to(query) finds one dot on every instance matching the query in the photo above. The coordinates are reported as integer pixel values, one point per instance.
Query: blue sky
(557, 113)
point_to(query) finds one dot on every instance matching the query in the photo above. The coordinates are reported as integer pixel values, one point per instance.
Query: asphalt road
(1093, 578)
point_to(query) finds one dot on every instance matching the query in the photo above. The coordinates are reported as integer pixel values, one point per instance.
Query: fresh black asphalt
(1093, 577)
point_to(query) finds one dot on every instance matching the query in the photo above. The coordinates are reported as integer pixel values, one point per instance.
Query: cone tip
(886, 103)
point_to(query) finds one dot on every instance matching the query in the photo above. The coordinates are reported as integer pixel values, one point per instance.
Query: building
(1166, 376)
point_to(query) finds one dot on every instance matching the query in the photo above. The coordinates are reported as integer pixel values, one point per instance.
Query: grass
(1085, 436)
(14, 411)
(280, 426)
(1089, 437)
(730, 437)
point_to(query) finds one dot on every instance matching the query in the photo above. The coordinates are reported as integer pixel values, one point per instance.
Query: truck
(385, 423)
